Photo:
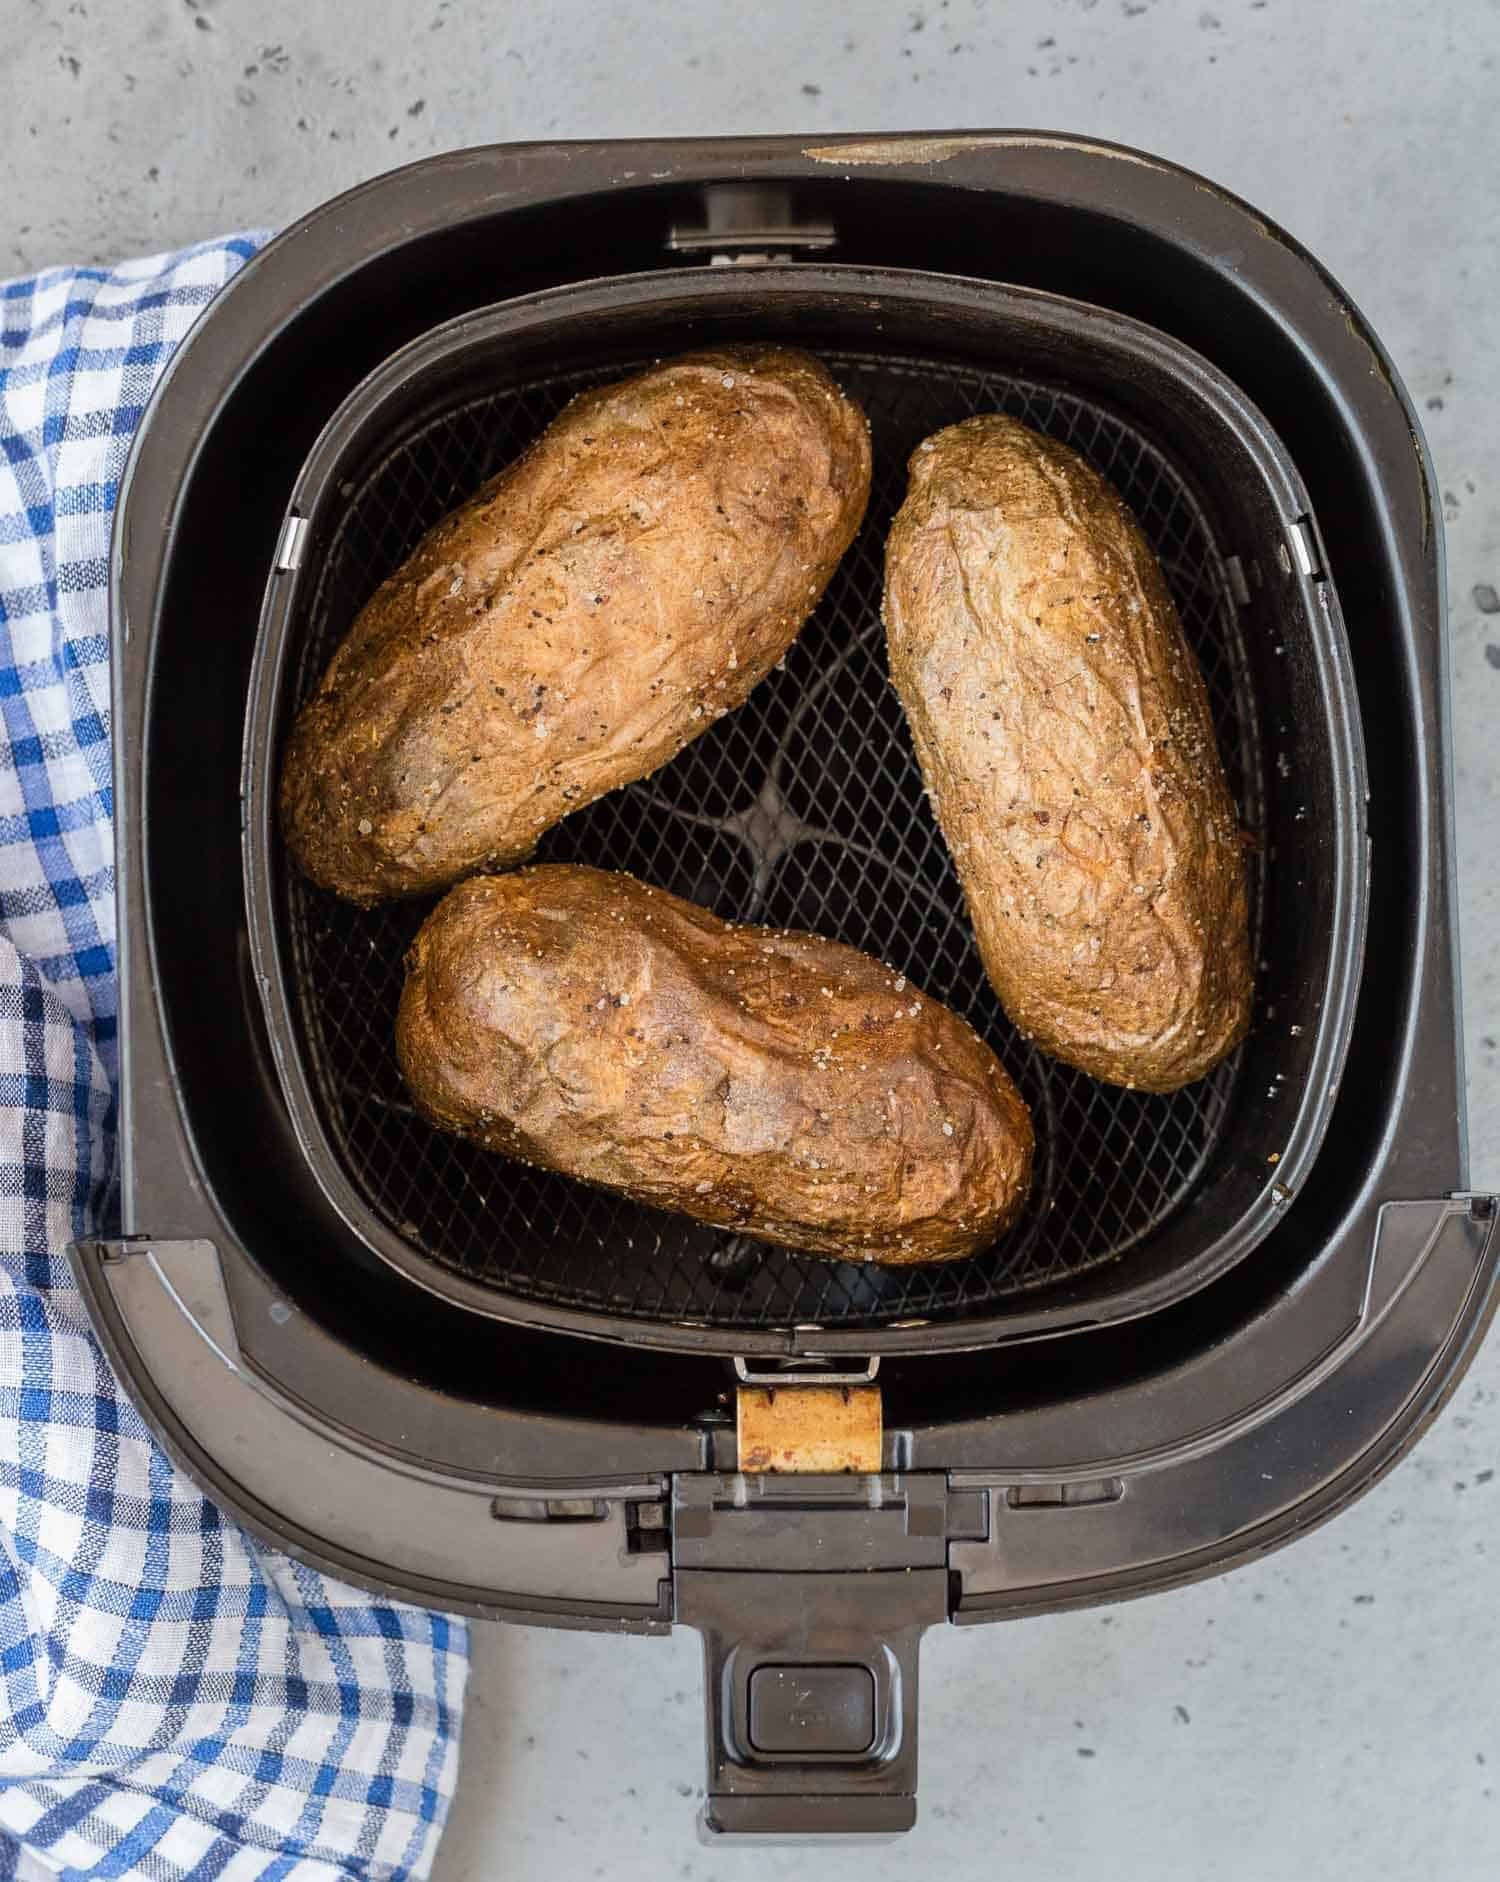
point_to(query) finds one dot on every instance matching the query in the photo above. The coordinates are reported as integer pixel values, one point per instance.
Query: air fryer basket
(805, 809)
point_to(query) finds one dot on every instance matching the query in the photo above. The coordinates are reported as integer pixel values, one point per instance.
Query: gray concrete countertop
(1332, 1712)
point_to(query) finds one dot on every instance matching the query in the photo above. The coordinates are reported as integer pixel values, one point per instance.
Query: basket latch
(803, 1419)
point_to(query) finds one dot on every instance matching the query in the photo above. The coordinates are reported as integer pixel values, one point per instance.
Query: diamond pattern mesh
(805, 808)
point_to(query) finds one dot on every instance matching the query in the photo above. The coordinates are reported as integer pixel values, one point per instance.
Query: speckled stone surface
(1332, 1712)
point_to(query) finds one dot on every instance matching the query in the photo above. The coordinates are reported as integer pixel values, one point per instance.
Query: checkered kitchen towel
(175, 1701)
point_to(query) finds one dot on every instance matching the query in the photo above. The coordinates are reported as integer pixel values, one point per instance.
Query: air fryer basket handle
(811, 1688)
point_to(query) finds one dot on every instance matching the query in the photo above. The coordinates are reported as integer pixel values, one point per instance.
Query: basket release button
(817, 1710)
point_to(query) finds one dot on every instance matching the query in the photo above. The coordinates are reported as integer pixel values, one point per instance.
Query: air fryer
(435, 1373)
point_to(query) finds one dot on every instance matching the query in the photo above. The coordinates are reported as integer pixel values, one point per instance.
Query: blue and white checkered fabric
(175, 1701)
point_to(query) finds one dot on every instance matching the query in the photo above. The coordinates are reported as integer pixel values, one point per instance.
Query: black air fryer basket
(806, 809)
(382, 1348)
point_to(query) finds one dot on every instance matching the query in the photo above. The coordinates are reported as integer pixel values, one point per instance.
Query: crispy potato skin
(1064, 733)
(781, 1085)
(625, 583)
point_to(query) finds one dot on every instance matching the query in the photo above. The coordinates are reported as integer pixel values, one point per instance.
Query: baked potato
(780, 1085)
(625, 583)
(1064, 733)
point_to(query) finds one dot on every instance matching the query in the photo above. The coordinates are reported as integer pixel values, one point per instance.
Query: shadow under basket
(805, 809)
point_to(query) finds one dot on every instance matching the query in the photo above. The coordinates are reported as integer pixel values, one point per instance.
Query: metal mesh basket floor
(804, 809)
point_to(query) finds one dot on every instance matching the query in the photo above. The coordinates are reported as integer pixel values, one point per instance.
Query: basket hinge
(1307, 551)
(291, 542)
